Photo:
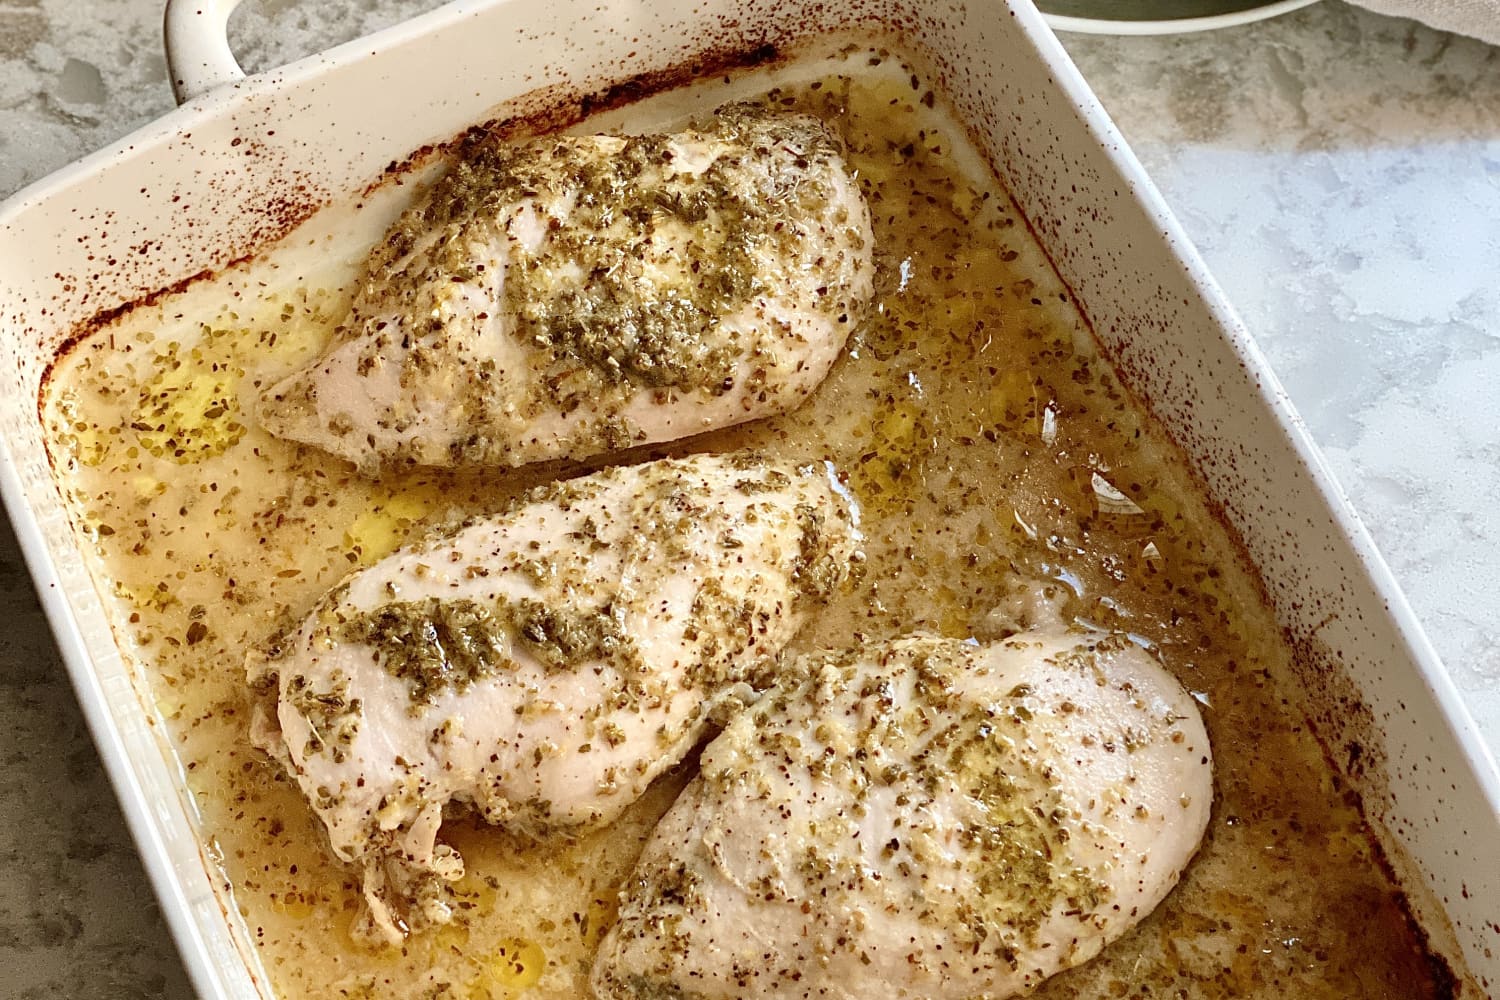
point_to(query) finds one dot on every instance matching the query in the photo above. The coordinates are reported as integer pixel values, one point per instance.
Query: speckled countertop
(1339, 171)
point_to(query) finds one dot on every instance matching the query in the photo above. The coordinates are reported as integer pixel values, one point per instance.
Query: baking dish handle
(198, 54)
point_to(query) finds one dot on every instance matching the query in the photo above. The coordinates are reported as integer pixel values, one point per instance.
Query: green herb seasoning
(433, 645)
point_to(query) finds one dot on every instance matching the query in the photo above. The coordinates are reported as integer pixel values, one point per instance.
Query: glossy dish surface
(1162, 17)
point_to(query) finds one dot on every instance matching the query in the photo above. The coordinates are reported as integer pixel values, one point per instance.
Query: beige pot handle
(198, 55)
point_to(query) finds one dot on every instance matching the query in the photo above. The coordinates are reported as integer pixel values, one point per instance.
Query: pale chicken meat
(543, 665)
(920, 818)
(568, 296)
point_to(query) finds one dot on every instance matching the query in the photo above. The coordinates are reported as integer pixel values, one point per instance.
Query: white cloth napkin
(1479, 18)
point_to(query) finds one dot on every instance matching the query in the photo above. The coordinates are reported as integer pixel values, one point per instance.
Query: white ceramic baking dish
(244, 159)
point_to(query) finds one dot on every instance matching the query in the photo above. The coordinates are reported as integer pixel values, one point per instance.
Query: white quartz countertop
(1339, 171)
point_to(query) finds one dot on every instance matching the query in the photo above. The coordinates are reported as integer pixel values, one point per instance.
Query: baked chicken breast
(542, 666)
(569, 296)
(920, 818)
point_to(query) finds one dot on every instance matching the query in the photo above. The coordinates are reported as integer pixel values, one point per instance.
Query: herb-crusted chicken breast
(920, 818)
(545, 664)
(569, 296)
